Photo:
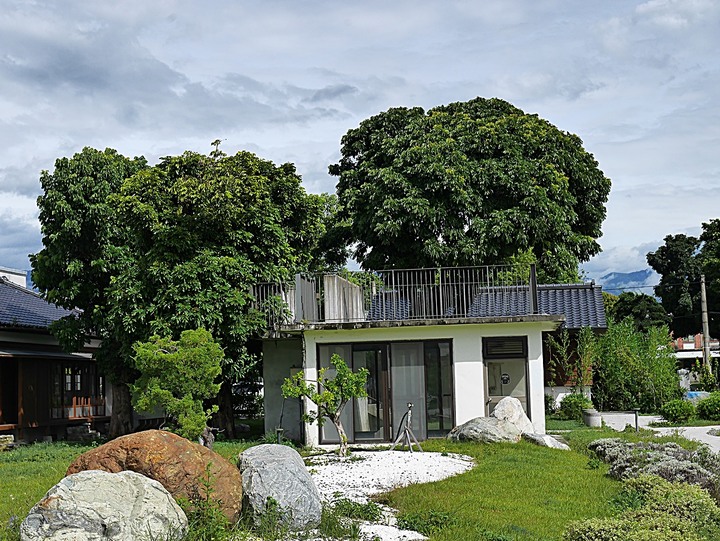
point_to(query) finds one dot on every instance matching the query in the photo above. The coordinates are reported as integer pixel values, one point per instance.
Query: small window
(505, 347)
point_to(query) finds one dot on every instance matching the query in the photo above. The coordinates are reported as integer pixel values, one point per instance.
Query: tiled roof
(387, 306)
(20, 307)
(581, 304)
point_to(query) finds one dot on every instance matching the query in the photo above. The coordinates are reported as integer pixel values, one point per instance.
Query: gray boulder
(506, 423)
(545, 440)
(93, 505)
(278, 472)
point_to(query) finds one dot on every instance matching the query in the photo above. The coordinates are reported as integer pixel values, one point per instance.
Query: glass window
(439, 389)
(408, 386)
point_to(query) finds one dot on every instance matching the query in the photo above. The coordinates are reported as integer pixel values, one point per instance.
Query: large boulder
(279, 473)
(180, 465)
(92, 505)
(506, 423)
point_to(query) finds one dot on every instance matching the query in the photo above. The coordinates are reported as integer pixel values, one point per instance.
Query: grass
(517, 492)
(520, 491)
(27, 473)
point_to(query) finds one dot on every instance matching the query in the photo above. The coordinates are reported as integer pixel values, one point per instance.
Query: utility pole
(705, 325)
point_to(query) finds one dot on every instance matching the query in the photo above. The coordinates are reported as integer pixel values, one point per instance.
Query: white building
(453, 342)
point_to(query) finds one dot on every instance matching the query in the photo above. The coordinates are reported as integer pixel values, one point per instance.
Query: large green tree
(204, 230)
(643, 310)
(158, 250)
(477, 182)
(680, 261)
(84, 246)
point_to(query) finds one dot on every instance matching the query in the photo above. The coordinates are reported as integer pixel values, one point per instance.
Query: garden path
(618, 421)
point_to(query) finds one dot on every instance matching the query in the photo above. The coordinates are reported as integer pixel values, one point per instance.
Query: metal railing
(394, 295)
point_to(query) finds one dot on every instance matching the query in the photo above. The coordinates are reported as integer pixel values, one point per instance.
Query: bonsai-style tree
(329, 394)
(177, 376)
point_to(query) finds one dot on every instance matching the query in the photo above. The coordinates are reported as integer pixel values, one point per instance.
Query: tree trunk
(341, 432)
(225, 418)
(121, 417)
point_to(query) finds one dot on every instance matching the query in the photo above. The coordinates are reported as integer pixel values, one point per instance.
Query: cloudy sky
(638, 81)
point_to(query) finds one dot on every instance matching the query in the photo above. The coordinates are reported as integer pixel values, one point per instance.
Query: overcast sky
(638, 81)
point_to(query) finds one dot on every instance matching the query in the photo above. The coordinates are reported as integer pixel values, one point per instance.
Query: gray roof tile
(20, 307)
(581, 304)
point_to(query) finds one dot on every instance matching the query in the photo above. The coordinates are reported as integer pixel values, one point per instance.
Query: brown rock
(176, 463)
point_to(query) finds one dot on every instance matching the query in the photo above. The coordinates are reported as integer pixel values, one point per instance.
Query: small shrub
(206, 521)
(272, 524)
(334, 525)
(667, 460)
(550, 406)
(653, 509)
(709, 408)
(426, 522)
(572, 405)
(677, 411)
(361, 511)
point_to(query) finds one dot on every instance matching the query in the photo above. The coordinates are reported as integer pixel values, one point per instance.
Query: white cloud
(635, 80)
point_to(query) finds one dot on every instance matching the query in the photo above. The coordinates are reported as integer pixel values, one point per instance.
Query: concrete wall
(468, 367)
(280, 359)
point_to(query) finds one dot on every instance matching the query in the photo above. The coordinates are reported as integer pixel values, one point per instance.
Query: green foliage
(272, 524)
(84, 246)
(709, 408)
(572, 365)
(680, 261)
(677, 411)
(426, 522)
(330, 394)
(177, 377)
(156, 250)
(550, 406)
(470, 183)
(572, 405)
(368, 511)
(654, 509)
(645, 311)
(609, 301)
(634, 369)
(206, 521)
(708, 381)
(335, 525)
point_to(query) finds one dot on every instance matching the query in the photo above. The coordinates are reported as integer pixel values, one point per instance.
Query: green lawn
(516, 492)
(522, 491)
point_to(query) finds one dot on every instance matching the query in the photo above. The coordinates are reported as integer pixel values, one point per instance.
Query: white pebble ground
(366, 473)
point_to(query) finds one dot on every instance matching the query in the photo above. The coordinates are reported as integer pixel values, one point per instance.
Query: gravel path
(366, 473)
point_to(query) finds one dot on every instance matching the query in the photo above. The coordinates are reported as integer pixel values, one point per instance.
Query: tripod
(406, 436)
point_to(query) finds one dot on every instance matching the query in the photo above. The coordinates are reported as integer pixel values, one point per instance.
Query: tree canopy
(680, 261)
(477, 182)
(84, 247)
(159, 250)
(643, 310)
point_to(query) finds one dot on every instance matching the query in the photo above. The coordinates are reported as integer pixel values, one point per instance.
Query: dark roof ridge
(576, 285)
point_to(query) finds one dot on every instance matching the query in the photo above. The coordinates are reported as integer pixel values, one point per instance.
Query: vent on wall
(505, 347)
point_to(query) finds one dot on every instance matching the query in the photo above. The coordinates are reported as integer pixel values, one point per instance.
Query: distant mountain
(637, 281)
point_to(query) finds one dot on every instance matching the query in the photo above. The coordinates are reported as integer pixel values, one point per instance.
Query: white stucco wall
(468, 367)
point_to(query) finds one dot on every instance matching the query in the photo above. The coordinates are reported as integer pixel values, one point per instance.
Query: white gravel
(366, 473)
